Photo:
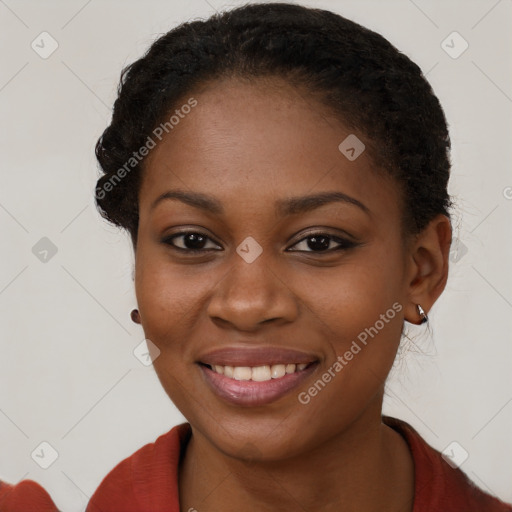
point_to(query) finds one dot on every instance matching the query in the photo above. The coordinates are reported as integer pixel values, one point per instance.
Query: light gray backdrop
(68, 375)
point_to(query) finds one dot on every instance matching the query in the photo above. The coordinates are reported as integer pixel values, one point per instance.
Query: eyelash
(344, 243)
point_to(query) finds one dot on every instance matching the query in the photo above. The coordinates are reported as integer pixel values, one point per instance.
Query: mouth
(258, 373)
(255, 377)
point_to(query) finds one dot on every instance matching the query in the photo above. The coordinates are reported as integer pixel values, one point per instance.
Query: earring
(424, 317)
(135, 316)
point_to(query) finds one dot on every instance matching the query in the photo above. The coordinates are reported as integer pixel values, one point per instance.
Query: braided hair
(361, 77)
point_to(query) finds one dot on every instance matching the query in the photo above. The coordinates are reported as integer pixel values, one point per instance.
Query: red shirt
(147, 481)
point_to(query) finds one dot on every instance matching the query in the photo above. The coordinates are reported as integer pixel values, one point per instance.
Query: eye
(192, 241)
(197, 242)
(320, 242)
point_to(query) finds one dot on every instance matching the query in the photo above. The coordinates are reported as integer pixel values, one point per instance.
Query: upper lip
(255, 356)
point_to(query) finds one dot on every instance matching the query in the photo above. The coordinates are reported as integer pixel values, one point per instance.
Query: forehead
(250, 140)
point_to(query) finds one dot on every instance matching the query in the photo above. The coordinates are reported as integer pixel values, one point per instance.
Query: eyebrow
(284, 207)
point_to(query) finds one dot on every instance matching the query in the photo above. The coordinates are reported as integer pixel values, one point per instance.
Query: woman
(282, 172)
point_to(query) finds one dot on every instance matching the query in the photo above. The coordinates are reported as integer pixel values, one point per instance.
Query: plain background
(68, 375)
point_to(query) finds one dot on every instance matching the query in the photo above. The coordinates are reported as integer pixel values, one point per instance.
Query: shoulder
(440, 485)
(25, 495)
(147, 475)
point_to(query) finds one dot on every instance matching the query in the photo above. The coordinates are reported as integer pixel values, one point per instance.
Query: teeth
(261, 373)
(258, 373)
(242, 373)
(278, 370)
(290, 368)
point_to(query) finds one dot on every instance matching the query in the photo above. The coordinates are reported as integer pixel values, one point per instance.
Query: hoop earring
(135, 316)
(424, 317)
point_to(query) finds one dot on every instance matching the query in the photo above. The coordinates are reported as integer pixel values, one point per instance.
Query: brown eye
(320, 242)
(191, 241)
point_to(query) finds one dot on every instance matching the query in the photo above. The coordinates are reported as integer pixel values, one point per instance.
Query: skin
(248, 145)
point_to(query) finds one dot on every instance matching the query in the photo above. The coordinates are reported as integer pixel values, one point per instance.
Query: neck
(366, 468)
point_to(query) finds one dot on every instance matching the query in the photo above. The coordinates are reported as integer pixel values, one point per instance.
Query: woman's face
(259, 292)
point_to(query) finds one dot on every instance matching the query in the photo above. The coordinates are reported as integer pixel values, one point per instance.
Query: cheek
(168, 302)
(358, 307)
(359, 311)
(353, 296)
(170, 298)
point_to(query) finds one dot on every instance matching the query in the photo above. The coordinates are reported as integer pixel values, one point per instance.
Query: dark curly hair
(361, 77)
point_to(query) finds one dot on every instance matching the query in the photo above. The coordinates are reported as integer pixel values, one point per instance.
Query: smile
(258, 373)
(248, 386)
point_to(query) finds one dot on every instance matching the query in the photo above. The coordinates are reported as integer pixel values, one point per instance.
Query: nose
(252, 294)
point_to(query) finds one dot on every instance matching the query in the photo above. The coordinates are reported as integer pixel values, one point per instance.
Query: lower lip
(253, 393)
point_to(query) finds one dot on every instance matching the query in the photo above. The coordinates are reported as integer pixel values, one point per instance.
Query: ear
(428, 266)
